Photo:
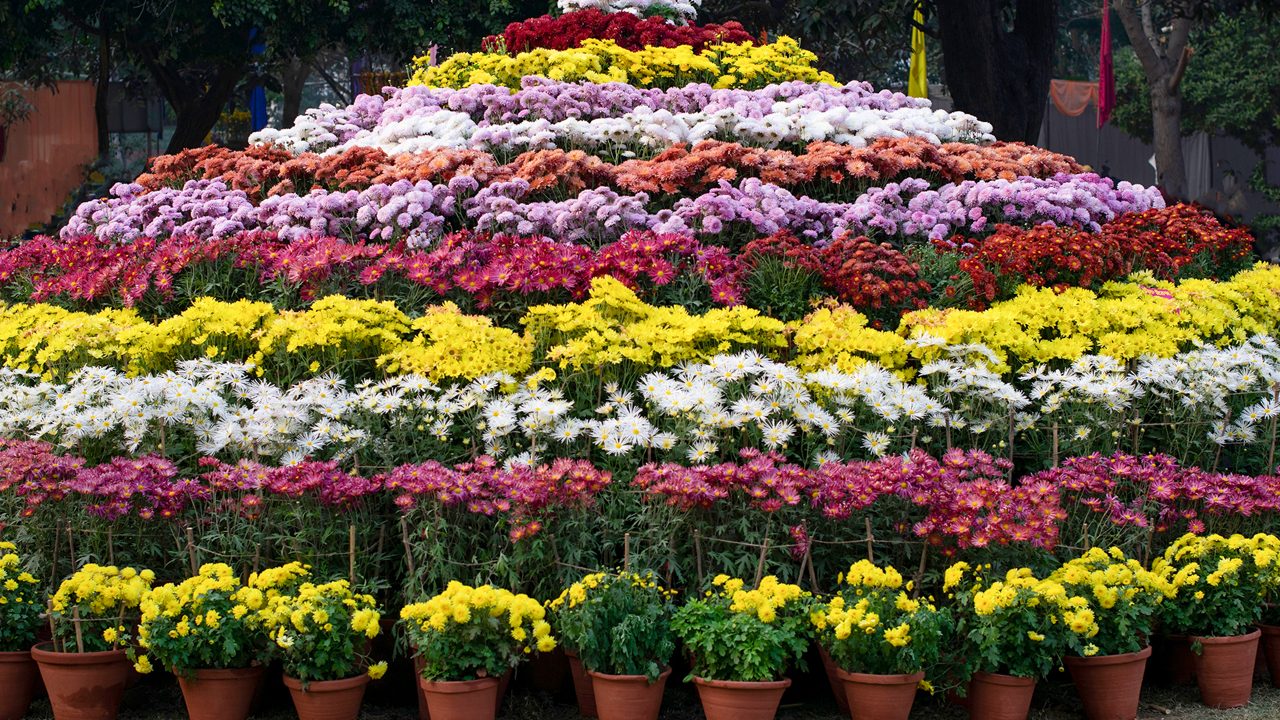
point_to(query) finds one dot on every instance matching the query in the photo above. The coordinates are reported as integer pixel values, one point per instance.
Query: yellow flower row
(727, 65)
(612, 327)
(461, 605)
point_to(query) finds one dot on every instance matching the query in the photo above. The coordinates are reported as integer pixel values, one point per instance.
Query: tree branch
(1144, 45)
(343, 94)
(1176, 79)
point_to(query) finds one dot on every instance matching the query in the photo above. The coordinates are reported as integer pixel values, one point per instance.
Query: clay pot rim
(221, 673)
(457, 687)
(744, 684)
(52, 657)
(1228, 639)
(629, 678)
(1119, 659)
(878, 678)
(1269, 629)
(1005, 679)
(294, 683)
(15, 656)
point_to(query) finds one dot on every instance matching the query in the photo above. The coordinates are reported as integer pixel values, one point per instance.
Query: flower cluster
(676, 8)
(1122, 599)
(1217, 582)
(96, 608)
(465, 633)
(206, 621)
(618, 623)
(724, 65)
(1014, 625)
(874, 626)
(20, 602)
(625, 28)
(321, 631)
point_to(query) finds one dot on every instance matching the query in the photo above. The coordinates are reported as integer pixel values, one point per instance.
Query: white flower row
(641, 130)
(697, 412)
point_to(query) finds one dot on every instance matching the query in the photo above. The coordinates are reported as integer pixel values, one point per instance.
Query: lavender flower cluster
(421, 212)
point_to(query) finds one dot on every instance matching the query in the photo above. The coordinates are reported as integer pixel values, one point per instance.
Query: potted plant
(1011, 637)
(1110, 609)
(741, 642)
(14, 108)
(94, 616)
(1219, 583)
(321, 632)
(881, 639)
(20, 607)
(207, 631)
(467, 639)
(619, 624)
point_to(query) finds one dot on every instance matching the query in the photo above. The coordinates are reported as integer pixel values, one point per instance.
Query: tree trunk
(100, 92)
(294, 80)
(196, 98)
(1166, 123)
(1000, 75)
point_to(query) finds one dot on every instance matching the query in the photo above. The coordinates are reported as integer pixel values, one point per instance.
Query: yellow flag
(918, 84)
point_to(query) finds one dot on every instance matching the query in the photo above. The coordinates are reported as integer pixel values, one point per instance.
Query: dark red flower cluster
(876, 278)
(1177, 241)
(629, 31)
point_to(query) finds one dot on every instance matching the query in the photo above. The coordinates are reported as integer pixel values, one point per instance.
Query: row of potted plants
(879, 637)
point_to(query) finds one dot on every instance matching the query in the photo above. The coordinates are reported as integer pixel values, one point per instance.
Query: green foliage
(321, 632)
(873, 626)
(204, 622)
(20, 602)
(618, 623)
(782, 290)
(745, 635)
(1232, 85)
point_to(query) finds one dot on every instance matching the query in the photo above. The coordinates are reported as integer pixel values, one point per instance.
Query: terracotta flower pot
(461, 699)
(1109, 685)
(628, 697)
(731, 700)
(1271, 650)
(837, 687)
(328, 699)
(83, 686)
(18, 674)
(582, 687)
(212, 694)
(1224, 669)
(1000, 697)
(879, 697)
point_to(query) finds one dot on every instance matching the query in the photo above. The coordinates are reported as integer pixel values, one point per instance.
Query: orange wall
(47, 155)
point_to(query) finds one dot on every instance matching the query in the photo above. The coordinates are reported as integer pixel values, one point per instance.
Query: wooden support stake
(408, 549)
(764, 551)
(111, 548)
(1085, 529)
(71, 545)
(53, 628)
(813, 574)
(626, 552)
(75, 623)
(351, 554)
(697, 554)
(191, 551)
(1055, 443)
(871, 553)
(924, 558)
(53, 559)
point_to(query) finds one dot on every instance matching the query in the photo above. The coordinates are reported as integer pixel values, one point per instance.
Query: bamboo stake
(71, 545)
(1085, 528)
(764, 550)
(111, 549)
(75, 623)
(626, 552)
(871, 538)
(408, 549)
(191, 551)
(53, 628)
(53, 560)
(1055, 443)
(351, 553)
(697, 553)
(813, 574)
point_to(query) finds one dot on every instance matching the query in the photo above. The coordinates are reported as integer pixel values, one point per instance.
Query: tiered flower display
(662, 303)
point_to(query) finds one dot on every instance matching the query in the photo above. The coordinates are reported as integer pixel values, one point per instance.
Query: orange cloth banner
(46, 155)
(1073, 97)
